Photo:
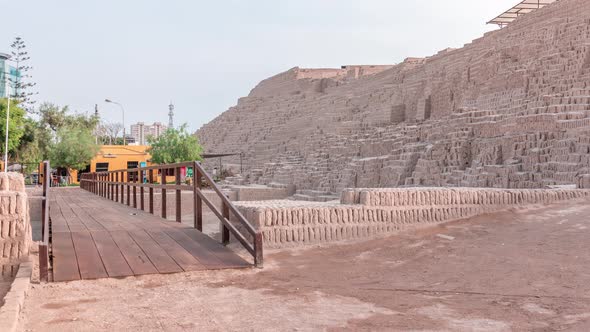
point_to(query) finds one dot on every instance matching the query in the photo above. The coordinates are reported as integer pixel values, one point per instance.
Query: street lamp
(6, 57)
(123, 111)
(7, 121)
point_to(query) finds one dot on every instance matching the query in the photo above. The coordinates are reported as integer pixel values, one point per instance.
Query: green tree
(55, 118)
(15, 125)
(74, 148)
(41, 135)
(30, 149)
(174, 146)
(23, 84)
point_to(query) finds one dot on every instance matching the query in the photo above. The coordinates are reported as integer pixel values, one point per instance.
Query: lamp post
(123, 111)
(7, 82)
(7, 121)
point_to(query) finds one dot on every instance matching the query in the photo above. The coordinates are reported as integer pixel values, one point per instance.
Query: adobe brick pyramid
(509, 110)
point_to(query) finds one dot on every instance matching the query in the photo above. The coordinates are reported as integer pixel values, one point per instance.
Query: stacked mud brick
(366, 213)
(508, 110)
(15, 226)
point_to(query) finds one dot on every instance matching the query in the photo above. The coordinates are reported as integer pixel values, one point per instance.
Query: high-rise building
(8, 75)
(141, 131)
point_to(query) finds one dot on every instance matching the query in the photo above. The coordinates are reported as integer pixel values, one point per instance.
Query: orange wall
(117, 157)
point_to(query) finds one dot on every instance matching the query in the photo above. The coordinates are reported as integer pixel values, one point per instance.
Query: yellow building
(112, 158)
(116, 157)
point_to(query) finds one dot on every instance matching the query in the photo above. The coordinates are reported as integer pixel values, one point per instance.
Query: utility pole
(97, 124)
(171, 116)
(7, 121)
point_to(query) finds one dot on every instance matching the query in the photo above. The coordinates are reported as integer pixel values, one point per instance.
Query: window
(102, 167)
(130, 165)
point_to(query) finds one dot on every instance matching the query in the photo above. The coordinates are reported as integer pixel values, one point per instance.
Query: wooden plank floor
(93, 238)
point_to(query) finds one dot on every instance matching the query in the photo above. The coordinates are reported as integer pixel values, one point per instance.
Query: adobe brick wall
(372, 212)
(15, 226)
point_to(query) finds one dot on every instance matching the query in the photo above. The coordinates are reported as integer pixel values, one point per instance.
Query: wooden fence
(125, 185)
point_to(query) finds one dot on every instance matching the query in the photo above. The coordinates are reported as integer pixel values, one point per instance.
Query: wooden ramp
(92, 237)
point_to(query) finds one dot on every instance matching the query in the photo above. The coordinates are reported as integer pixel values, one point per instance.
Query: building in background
(8, 75)
(118, 157)
(141, 131)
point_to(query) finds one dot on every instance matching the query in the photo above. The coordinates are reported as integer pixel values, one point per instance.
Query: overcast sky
(204, 55)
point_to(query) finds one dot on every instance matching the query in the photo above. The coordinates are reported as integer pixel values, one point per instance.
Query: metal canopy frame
(523, 8)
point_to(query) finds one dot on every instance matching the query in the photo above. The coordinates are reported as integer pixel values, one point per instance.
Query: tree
(174, 146)
(108, 132)
(56, 118)
(30, 149)
(74, 149)
(15, 125)
(22, 84)
(41, 136)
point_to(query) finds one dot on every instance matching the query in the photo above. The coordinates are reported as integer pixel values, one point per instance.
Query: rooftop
(522, 8)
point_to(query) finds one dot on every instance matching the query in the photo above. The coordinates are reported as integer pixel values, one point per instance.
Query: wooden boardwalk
(92, 237)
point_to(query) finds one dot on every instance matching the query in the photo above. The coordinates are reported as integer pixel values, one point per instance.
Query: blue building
(8, 75)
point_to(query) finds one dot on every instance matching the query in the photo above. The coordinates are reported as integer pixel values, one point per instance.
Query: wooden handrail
(108, 183)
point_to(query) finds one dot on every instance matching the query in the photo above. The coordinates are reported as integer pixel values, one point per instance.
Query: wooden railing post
(178, 195)
(258, 254)
(163, 184)
(116, 186)
(135, 178)
(197, 202)
(128, 189)
(112, 186)
(122, 187)
(151, 191)
(223, 229)
(44, 246)
(44, 202)
(141, 191)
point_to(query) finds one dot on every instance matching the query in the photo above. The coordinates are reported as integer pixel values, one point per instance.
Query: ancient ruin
(15, 226)
(508, 110)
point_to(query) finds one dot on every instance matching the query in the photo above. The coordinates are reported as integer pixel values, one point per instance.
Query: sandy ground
(522, 270)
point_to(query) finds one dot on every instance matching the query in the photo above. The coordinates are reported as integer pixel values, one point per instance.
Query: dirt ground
(4, 288)
(521, 270)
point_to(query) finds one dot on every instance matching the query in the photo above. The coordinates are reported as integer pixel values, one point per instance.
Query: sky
(204, 55)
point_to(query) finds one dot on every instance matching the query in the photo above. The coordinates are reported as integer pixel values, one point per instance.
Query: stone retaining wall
(371, 212)
(456, 196)
(15, 226)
